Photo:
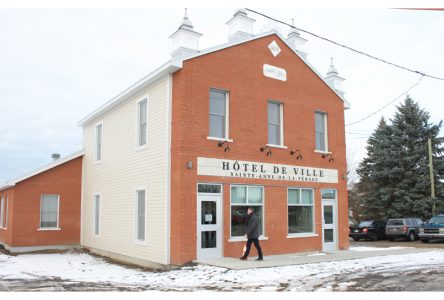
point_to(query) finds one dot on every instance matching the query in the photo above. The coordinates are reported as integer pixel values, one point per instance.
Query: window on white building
(275, 128)
(98, 143)
(49, 211)
(300, 211)
(243, 197)
(321, 131)
(96, 214)
(142, 117)
(140, 215)
(218, 124)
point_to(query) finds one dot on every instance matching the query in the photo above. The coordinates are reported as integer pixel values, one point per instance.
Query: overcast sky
(56, 66)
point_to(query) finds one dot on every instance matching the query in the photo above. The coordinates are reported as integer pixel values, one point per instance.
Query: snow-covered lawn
(74, 267)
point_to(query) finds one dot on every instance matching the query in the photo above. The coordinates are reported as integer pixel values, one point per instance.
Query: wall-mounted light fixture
(262, 149)
(189, 164)
(297, 152)
(221, 143)
(329, 156)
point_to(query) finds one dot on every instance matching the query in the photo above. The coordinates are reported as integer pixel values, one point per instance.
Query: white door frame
(209, 252)
(328, 246)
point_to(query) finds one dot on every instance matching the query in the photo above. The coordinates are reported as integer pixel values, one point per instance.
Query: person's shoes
(243, 258)
(259, 258)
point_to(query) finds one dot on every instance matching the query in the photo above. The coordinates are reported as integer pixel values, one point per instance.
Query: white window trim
(58, 214)
(2, 207)
(136, 240)
(326, 151)
(281, 125)
(227, 117)
(94, 215)
(96, 161)
(303, 234)
(242, 238)
(141, 147)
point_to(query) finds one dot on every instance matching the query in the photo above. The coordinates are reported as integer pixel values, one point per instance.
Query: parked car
(373, 230)
(406, 228)
(433, 229)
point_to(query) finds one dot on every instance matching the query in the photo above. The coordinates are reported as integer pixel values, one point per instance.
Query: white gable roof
(51, 165)
(172, 66)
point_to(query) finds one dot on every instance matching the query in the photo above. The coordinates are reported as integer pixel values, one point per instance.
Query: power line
(347, 47)
(394, 100)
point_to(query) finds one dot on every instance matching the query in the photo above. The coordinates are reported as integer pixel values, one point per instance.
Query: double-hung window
(96, 222)
(49, 211)
(98, 142)
(321, 131)
(300, 211)
(243, 197)
(142, 117)
(275, 129)
(218, 122)
(2, 212)
(140, 215)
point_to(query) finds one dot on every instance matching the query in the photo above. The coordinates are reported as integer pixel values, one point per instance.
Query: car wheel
(374, 237)
(412, 236)
(391, 239)
(425, 240)
(356, 239)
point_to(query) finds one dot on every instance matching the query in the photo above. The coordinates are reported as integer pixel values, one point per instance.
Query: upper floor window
(321, 131)
(49, 211)
(98, 143)
(142, 114)
(218, 114)
(275, 128)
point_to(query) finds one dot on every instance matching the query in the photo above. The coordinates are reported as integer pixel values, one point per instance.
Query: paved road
(398, 243)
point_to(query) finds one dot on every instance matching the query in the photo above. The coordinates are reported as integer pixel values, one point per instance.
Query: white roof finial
(292, 22)
(186, 22)
(332, 70)
(185, 16)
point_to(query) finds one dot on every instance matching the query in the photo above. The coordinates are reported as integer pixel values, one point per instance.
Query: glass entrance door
(209, 225)
(329, 223)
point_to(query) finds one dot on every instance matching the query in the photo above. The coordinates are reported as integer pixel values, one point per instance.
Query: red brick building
(41, 210)
(173, 162)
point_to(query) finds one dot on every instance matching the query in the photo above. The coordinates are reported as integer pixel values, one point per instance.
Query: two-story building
(172, 163)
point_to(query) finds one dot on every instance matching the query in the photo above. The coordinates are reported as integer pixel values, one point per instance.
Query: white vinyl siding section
(124, 169)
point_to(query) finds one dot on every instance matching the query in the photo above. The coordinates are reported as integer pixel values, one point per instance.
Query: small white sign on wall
(275, 72)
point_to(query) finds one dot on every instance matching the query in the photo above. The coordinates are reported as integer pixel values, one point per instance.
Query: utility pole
(432, 178)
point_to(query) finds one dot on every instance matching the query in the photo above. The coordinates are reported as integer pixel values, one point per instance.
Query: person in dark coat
(252, 234)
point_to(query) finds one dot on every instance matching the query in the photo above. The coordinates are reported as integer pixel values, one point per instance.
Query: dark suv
(373, 230)
(406, 228)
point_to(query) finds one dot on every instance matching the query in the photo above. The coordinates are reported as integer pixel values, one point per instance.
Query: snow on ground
(364, 248)
(82, 267)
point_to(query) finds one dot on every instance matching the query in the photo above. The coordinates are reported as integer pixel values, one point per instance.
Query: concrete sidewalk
(304, 258)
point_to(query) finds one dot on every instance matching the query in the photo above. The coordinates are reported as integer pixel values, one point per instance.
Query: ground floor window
(140, 215)
(243, 197)
(49, 211)
(96, 214)
(300, 211)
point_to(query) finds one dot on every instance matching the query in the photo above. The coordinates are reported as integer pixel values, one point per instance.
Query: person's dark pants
(256, 244)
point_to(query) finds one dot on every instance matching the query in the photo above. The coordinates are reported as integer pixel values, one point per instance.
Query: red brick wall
(239, 70)
(64, 180)
(6, 234)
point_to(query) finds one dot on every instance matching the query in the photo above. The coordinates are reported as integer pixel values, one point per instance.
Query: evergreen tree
(395, 178)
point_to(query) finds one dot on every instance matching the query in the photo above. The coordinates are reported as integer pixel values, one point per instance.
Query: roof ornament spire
(332, 70)
(296, 41)
(185, 39)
